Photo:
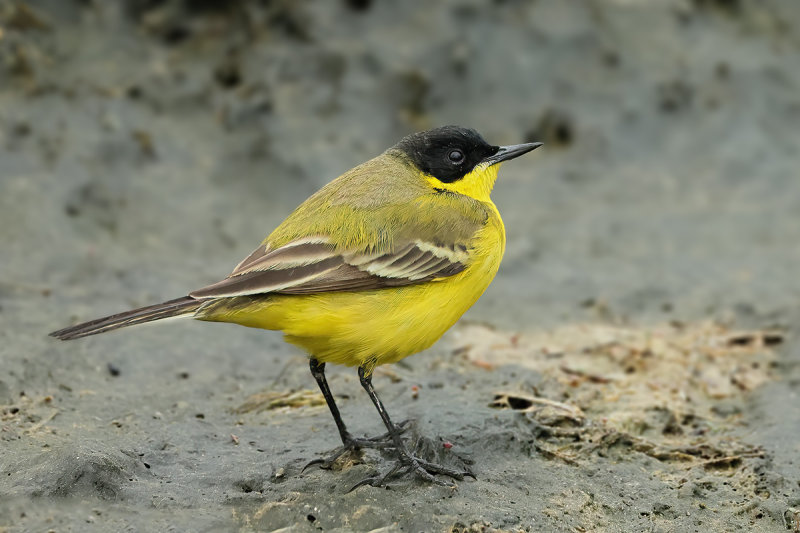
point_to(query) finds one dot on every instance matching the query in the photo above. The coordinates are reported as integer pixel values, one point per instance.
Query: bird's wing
(360, 233)
(312, 265)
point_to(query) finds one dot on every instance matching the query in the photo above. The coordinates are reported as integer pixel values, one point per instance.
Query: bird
(375, 266)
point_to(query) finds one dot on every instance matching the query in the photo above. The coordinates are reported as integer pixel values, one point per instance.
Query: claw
(312, 463)
(365, 481)
(376, 481)
(327, 462)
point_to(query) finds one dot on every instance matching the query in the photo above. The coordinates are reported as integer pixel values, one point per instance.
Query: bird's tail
(173, 308)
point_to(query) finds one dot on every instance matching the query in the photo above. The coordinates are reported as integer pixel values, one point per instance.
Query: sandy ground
(634, 366)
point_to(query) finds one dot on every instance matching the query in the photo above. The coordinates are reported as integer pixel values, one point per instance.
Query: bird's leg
(408, 462)
(393, 430)
(349, 443)
(318, 371)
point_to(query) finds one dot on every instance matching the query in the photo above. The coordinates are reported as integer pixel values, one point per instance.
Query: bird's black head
(447, 153)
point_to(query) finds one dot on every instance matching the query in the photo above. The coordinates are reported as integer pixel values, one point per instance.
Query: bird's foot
(422, 469)
(351, 448)
(411, 464)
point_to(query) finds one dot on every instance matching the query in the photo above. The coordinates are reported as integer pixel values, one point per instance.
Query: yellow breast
(379, 326)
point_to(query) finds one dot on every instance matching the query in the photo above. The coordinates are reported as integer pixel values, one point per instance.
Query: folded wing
(312, 265)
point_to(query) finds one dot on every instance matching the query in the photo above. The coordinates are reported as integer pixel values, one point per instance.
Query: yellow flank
(376, 327)
(379, 326)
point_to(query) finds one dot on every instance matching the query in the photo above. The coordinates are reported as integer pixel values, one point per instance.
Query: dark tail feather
(179, 306)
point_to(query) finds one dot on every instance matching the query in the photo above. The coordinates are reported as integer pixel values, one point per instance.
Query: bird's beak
(504, 153)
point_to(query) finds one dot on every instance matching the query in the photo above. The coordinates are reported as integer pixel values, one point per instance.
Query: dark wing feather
(263, 281)
(312, 266)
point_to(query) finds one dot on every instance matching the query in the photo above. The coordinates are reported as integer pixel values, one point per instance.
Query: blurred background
(146, 146)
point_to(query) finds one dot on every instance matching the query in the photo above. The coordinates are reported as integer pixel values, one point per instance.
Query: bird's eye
(455, 156)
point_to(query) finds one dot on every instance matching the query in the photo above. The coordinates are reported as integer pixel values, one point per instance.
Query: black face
(447, 153)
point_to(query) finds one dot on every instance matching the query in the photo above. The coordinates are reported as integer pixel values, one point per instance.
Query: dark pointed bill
(504, 153)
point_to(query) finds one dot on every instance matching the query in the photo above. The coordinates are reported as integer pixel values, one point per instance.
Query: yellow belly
(374, 327)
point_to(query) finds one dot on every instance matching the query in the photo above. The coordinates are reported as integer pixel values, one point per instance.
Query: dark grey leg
(349, 443)
(408, 463)
(393, 431)
(318, 371)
